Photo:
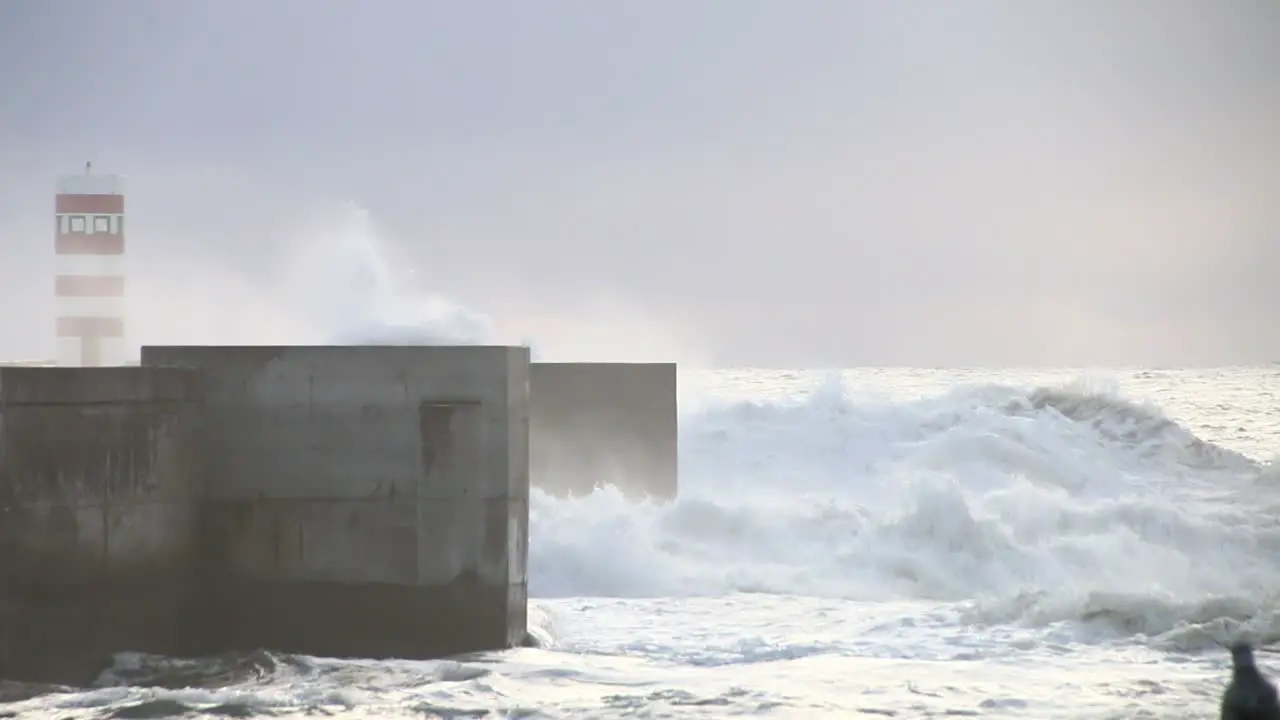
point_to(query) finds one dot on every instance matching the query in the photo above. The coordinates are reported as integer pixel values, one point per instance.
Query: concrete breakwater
(349, 501)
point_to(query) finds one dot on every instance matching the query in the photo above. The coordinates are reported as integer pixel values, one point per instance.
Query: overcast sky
(741, 182)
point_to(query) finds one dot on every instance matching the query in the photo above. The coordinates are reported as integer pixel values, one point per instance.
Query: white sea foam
(1032, 505)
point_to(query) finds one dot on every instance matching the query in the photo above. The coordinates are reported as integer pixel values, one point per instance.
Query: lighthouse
(90, 269)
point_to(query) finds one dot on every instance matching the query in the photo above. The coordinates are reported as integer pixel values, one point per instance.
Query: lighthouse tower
(89, 242)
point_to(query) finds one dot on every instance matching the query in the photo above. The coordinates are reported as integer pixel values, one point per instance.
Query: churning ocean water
(898, 543)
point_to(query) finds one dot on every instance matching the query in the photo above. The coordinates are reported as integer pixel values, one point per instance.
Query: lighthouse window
(115, 224)
(64, 224)
(77, 224)
(101, 224)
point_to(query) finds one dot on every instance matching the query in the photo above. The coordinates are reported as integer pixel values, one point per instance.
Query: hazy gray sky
(762, 182)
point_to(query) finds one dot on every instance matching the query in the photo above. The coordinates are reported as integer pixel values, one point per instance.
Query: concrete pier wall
(364, 501)
(98, 518)
(597, 424)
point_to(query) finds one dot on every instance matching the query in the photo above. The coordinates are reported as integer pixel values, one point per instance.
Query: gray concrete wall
(365, 501)
(597, 424)
(98, 517)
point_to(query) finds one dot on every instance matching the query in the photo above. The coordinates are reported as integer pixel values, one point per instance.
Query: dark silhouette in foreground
(1249, 695)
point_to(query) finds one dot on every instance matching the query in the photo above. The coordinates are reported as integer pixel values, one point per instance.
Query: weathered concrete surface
(98, 518)
(598, 424)
(364, 501)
